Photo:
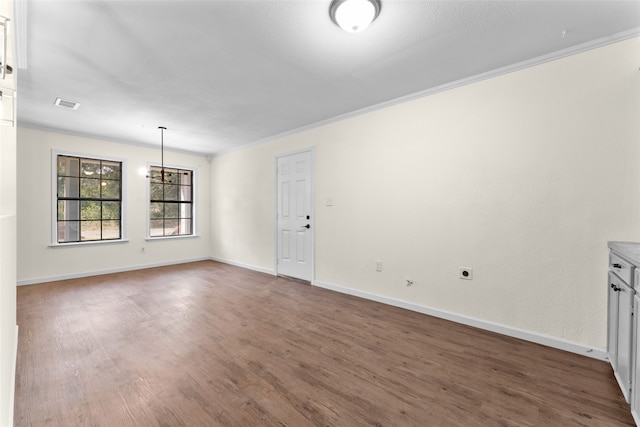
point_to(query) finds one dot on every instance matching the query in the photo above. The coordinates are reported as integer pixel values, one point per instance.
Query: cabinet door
(635, 372)
(612, 321)
(625, 329)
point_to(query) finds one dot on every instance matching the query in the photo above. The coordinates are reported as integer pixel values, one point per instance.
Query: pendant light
(354, 16)
(165, 177)
(162, 129)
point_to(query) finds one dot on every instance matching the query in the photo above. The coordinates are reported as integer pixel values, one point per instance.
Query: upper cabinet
(7, 64)
(7, 45)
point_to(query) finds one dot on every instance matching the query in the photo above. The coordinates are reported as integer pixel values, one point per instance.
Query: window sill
(90, 243)
(186, 236)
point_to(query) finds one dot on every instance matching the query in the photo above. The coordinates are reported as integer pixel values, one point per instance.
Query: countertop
(627, 250)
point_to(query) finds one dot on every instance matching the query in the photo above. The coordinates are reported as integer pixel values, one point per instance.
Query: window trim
(194, 202)
(54, 198)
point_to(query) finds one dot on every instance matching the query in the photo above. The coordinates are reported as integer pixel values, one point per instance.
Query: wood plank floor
(208, 344)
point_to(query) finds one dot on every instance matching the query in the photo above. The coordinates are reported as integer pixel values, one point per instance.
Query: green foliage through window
(89, 198)
(171, 202)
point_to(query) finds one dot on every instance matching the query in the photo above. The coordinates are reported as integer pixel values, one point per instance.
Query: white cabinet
(635, 377)
(612, 322)
(625, 328)
(7, 65)
(620, 330)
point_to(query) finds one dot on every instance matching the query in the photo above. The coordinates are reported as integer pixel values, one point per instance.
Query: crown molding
(553, 56)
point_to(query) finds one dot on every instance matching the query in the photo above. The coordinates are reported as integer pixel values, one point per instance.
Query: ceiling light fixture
(165, 177)
(162, 174)
(354, 16)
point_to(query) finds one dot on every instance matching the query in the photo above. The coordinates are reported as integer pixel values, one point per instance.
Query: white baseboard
(243, 265)
(140, 267)
(549, 341)
(107, 271)
(546, 340)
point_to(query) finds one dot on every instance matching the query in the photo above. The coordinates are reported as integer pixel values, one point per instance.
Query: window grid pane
(68, 166)
(111, 170)
(90, 210)
(90, 168)
(111, 210)
(89, 199)
(156, 228)
(90, 231)
(68, 210)
(110, 230)
(89, 188)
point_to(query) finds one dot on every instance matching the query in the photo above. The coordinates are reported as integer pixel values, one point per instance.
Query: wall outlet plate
(466, 273)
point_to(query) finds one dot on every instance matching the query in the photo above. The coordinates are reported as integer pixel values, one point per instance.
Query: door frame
(312, 173)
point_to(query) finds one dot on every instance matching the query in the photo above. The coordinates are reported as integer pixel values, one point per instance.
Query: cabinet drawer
(622, 268)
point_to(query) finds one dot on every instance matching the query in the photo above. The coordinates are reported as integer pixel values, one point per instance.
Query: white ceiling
(221, 74)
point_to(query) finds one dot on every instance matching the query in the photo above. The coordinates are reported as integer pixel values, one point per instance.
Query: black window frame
(64, 202)
(174, 204)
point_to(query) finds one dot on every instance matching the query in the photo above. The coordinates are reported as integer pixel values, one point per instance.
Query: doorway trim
(312, 153)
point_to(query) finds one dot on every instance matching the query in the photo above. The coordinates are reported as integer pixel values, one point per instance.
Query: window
(89, 199)
(171, 202)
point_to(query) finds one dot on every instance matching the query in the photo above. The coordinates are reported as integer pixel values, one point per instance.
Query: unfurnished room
(319, 213)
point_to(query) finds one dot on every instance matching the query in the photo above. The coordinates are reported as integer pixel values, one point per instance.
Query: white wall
(8, 332)
(523, 177)
(8, 329)
(38, 261)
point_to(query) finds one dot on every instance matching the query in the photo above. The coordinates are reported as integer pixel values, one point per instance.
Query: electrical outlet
(142, 250)
(466, 273)
(409, 282)
(378, 265)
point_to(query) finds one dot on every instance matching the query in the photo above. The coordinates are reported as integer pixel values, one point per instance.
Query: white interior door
(294, 217)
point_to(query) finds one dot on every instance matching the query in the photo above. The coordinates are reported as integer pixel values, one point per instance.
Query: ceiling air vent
(66, 104)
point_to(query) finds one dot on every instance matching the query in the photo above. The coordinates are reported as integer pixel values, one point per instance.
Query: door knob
(617, 266)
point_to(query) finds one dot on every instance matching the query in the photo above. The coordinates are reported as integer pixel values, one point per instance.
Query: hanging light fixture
(354, 16)
(165, 177)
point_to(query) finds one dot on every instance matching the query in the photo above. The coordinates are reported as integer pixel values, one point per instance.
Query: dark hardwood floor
(208, 344)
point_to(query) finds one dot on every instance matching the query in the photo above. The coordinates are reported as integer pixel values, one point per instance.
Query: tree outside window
(89, 199)
(171, 202)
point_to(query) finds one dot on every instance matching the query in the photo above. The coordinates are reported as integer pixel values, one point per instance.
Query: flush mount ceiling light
(354, 16)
